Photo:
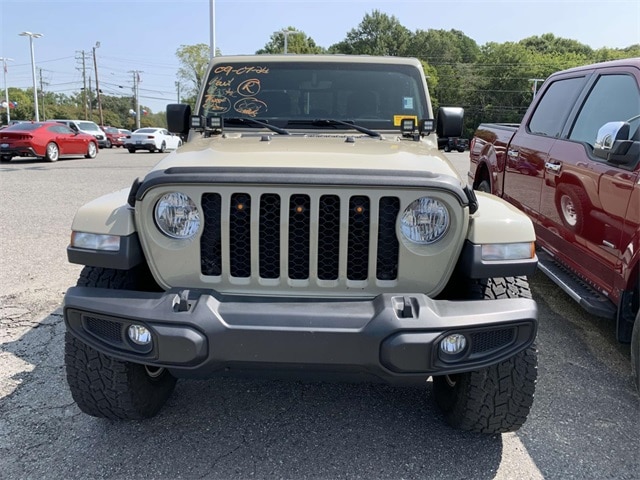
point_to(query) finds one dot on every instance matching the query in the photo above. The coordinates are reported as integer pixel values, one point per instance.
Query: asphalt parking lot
(584, 423)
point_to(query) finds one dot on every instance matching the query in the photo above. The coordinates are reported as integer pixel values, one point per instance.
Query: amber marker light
(359, 209)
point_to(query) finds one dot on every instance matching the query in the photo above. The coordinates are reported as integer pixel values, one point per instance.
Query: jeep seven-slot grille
(288, 222)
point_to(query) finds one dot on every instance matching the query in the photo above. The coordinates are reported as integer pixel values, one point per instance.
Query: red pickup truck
(573, 165)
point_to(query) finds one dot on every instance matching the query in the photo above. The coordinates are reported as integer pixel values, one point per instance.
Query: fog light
(139, 335)
(453, 344)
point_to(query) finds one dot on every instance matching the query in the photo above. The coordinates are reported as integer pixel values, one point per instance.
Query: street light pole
(6, 86)
(95, 64)
(286, 34)
(212, 29)
(33, 70)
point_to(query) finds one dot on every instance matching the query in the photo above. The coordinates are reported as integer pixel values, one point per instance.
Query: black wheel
(163, 147)
(484, 186)
(131, 150)
(5, 158)
(496, 399)
(103, 386)
(572, 204)
(52, 152)
(635, 351)
(108, 145)
(92, 150)
(461, 150)
(447, 149)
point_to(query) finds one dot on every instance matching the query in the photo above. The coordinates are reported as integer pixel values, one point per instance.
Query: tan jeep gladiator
(310, 228)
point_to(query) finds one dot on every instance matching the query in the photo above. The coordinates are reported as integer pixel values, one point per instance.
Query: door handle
(553, 167)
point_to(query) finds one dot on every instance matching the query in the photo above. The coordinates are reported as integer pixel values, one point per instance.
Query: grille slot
(329, 237)
(104, 329)
(490, 340)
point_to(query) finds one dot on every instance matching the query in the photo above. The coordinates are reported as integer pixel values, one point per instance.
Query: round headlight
(177, 216)
(425, 221)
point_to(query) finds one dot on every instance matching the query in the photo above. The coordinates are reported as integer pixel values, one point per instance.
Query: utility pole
(6, 87)
(178, 87)
(212, 29)
(44, 116)
(136, 82)
(90, 101)
(84, 84)
(95, 64)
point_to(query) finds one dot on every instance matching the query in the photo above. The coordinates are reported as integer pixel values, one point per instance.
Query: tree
(194, 60)
(377, 34)
(297, 42)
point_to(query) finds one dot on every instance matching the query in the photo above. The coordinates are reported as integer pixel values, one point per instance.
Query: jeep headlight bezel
(177, 216)
(425, 221)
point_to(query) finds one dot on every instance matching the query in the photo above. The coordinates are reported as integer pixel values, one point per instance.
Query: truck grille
(304, 229)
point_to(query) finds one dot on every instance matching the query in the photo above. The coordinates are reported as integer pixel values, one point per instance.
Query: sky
(143, 35)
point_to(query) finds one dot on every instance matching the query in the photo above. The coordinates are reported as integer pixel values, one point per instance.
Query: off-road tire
(484, 186)
(103, 386)
(496, 399)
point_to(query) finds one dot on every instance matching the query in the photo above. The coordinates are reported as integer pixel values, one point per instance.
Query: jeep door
(585, 200)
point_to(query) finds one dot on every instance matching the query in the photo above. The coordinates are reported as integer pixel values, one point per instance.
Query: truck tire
(103, 386)
(484, 186)
(496, 399)
(635, 351)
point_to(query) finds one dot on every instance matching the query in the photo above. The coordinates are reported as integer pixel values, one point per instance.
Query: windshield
(372, 95)
(87, 126)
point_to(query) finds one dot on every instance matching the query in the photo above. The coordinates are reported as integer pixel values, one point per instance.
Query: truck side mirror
(613, 144)
(178, 115)
(449, 122)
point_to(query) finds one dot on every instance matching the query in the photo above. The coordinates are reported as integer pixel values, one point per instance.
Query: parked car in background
(152, 139)
(125, 131)
(47, 140)
(573, 165)
(456, 143)
(88, 127)
(115, 138)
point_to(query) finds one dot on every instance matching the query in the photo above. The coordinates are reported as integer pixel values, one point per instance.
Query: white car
(152, 139)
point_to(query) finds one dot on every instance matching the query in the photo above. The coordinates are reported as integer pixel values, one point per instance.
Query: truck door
(585, 200)
(528, 151)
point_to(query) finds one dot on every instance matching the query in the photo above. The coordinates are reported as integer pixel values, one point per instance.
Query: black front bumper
(392, 337)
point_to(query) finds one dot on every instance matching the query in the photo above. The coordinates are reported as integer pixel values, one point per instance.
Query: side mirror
(178, 115)
(449, 122)
(613, 144)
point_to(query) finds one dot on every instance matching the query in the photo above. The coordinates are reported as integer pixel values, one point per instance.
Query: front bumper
(392, 337)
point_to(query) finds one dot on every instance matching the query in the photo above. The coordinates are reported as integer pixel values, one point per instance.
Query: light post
(33, 70)
(212, 29)
(6, 86)
(286, 34)
(95, 64)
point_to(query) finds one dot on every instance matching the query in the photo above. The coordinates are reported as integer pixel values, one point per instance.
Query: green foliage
(297, 42)
(194, 61)
(377, 34)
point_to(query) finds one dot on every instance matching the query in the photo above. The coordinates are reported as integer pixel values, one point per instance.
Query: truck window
(554, 106)
(612, 98)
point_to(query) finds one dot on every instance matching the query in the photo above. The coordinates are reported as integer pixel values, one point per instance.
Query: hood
(313, 151)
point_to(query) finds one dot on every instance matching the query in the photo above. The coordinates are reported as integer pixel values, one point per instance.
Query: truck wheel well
(481, 174)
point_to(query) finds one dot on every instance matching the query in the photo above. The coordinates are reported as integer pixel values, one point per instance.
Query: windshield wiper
(332, 122)
(253, 121)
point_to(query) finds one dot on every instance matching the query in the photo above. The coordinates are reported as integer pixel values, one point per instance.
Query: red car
(115, 138)
(47, 140)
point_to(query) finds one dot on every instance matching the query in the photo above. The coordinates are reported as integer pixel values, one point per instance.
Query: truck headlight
(425, 221)
(177, 216)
